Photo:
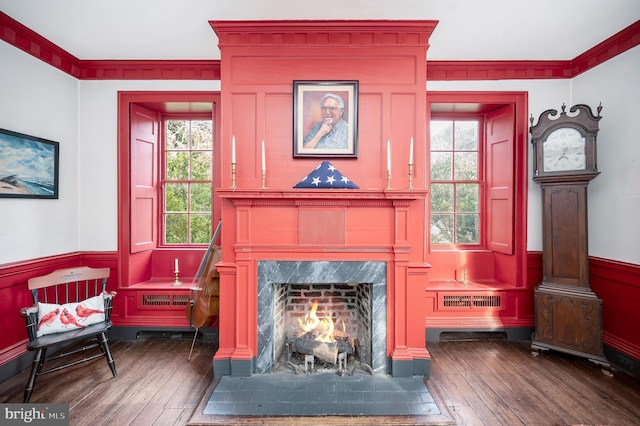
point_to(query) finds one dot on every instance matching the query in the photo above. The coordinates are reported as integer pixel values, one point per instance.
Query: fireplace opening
(324, 280)
(322, 327)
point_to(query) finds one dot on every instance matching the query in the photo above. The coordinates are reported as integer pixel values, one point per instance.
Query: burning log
(324, 351)
(320, 338)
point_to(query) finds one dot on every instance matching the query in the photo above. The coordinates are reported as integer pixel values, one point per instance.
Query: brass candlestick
(177, 282)
(388, 179)
(233, 175)
(264, 179)
(410, 176)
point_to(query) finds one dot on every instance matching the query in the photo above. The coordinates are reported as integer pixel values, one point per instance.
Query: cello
(204, 295)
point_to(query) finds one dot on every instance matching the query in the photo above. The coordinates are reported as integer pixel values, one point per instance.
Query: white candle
(389, 156)
(264, 161)
(233, 150)
(411, 152)
(176, 264)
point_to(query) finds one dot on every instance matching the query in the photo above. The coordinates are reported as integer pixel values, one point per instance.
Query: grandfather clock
(568, 315)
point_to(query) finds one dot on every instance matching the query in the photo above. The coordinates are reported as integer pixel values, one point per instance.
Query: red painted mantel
(260, 61)
(312, 225)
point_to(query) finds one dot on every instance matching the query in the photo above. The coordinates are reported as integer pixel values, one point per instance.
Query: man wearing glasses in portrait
(332, 132)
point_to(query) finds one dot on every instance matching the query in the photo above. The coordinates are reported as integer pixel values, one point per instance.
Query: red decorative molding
(618, 285)
(610, 272)
(17, 35)
(611, 47)
(150, 70)
(624, 346)
(320, 197)
(497, 70)
(13, 351)
(305, 33)
(322, 33)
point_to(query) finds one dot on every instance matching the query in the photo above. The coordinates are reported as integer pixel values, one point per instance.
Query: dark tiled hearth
(320, 394)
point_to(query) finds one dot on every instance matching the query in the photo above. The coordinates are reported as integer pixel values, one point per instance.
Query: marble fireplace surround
(271, 273)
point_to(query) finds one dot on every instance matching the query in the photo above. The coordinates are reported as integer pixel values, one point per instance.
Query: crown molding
(610, 48)
(335, 33)
(497, 70)
(17, 35)
(150, 70)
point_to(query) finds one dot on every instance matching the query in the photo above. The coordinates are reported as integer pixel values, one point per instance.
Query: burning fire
(323, 328)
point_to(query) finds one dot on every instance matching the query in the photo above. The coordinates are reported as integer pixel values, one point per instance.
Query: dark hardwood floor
(484, 382)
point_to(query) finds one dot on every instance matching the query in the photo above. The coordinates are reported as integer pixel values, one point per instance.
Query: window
(187, 178)
(455, 182)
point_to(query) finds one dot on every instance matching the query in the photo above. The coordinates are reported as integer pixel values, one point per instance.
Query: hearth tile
(407, 397)
(244, 395)
(220, 408)
(379, 396)
(320, 409)
(351, 396)
(426, 397)
(285, 394)
(424, 409)
(379, 409)
(413, 384)
(272, 409)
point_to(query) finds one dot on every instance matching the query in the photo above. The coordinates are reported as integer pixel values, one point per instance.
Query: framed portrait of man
(325, 119)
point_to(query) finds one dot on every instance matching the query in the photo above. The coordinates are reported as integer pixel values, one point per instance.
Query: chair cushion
(54, 318)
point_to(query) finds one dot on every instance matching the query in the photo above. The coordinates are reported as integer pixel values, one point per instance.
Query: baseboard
(512, 333)
(133, 332)
(15, 366)
(622, 361)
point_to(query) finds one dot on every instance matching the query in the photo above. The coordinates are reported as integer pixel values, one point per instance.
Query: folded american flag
(326, 176)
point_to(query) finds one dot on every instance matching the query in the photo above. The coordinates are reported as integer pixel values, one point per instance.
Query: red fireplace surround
(260, 60)
(312, 225)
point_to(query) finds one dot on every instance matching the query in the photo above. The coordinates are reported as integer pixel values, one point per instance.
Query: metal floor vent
(165, 299)
(471, 301)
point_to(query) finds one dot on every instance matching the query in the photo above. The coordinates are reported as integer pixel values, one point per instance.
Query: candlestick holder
(410, 176)
(388, 179)
(177, 282)
(264, 180)
(233, 176)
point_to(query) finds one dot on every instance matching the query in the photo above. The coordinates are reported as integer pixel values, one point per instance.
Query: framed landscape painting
(325, 118)
(28, 166)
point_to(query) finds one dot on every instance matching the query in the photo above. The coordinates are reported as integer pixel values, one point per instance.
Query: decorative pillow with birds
(53, 318)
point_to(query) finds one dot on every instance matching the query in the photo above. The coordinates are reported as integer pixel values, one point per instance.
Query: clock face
(564, 150)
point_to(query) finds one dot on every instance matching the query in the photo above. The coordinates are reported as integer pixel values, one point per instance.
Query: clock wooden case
(565, 145)
(568, 314)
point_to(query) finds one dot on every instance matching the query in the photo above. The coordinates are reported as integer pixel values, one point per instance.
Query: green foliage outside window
(188, 176)
(455, 186)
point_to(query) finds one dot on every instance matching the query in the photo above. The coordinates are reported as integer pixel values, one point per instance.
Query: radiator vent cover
(156, 300)
(471, 301)
(164, 300)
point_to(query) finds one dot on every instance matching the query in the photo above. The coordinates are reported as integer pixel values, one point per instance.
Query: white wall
(614, 196)
(38, 100)
(82, 116)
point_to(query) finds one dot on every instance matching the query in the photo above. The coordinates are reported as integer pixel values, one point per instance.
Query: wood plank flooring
(484, 382)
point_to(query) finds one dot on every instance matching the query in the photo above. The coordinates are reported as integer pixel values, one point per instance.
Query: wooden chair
(67, 306)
